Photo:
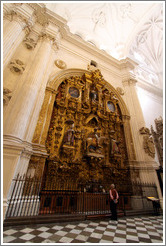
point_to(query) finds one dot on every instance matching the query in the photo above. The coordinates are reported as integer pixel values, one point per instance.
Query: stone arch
(55, 81)
(41, 131)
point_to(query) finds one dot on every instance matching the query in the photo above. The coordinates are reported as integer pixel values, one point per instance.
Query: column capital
(54, 41)
(129, 81)
(26, 24)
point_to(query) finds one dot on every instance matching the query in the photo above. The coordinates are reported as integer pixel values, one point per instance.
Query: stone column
(22, 113)
(137, 119)
(23, 101)
(15, 29)
(144, 163)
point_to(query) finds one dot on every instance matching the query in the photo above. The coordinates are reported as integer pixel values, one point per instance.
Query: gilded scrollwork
(84, 136)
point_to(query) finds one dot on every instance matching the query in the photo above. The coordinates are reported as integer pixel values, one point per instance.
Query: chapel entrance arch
(86, 139)
(84, 125)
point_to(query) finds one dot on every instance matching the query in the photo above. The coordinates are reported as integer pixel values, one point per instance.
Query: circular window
(74, 92)
(111, 106)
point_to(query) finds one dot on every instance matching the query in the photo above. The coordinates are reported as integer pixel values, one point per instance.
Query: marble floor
(145, 229)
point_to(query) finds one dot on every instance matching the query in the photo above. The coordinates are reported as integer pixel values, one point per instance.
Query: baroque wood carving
(85, 140)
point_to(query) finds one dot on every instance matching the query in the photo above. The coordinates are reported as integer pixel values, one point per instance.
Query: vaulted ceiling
(122, 29)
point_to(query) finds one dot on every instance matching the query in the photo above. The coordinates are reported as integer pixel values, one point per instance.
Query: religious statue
(68, 138)
(94, 94)
(92, 143)
(115, 147)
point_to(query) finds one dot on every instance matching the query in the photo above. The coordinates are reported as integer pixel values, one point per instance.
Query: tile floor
(147, 229)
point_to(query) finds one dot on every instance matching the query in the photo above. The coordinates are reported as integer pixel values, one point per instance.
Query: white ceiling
(122, 29)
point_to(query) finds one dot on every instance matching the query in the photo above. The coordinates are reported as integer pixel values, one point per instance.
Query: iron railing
(29, 197)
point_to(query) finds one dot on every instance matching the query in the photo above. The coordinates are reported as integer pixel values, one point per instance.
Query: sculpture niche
(93, 145)
(68, 141)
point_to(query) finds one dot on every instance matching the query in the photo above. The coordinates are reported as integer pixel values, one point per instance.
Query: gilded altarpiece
(86, 140)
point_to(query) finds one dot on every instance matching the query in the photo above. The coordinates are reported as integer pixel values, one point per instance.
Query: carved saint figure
(94, 94)
(69, 136)
(114, 147)
(93, 142)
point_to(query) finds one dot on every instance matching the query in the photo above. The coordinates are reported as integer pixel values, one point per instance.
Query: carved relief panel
(158, 138)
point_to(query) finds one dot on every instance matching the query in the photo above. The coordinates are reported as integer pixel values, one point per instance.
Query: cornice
(143, 165)
(23, 11)
(68, 36)
(12, 143)
(150, 88)
(57, 24)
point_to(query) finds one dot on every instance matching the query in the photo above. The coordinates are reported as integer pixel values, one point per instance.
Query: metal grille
(28, 199)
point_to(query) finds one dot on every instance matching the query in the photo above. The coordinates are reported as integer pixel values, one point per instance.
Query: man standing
(113, 201)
